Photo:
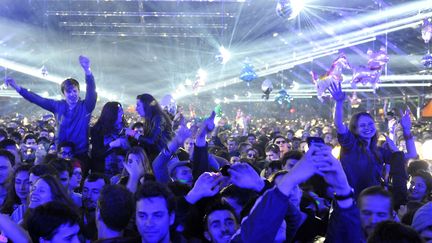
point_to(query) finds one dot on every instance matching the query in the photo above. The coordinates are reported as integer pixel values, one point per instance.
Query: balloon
(266, 94)
(44, 71)
(427, 61)
(267, 85)
(364, 75)
(354, 100)
(333, 75)
(267, 88)
(292, 110)
(169, 104)
(426, 30)
(377, 59)
(372, 72)
(283, 98)
(248, 74)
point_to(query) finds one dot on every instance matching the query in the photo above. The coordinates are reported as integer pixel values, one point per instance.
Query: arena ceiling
(157, 46)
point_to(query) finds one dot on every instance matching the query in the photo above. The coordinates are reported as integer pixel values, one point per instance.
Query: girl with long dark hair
(106, 136)
(157, 126)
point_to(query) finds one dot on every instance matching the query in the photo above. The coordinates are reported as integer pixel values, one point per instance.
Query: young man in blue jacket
(72, 113)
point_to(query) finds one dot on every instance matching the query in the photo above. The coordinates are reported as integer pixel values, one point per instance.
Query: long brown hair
(58, 191)
(373, 145)
(155, 117)
(108, 117)
(11, 197)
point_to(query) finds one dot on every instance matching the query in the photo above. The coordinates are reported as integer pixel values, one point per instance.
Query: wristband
(344, 197)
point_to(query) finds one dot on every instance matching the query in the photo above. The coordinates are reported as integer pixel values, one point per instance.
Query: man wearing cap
(180, 171)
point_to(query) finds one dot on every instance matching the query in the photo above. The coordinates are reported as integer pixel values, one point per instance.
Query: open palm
(336, 92)
(405, 120)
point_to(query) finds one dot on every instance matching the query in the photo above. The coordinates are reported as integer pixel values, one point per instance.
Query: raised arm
(339, 97)
(206, 127)
(47, 104)
(409, 139)
(274, 206)
(344, 223)
(160, 164)
(200, 155)
(266, 218)
(91, 96)
(12, 230)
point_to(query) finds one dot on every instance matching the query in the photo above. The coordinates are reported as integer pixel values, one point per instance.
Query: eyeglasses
(280, 142)
(251, 155)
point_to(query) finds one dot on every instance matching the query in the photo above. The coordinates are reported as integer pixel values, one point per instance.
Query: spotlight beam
(35, 72)
(31, 71)
(363, 35)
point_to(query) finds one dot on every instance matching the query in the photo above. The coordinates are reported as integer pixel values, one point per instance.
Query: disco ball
(284, 9)
(289, 9)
